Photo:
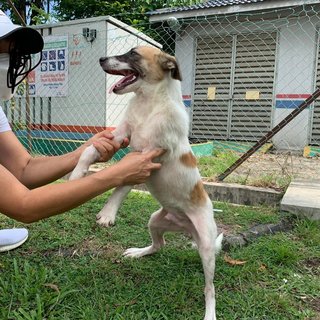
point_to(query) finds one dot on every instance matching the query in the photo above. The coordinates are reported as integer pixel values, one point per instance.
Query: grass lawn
(70, 268)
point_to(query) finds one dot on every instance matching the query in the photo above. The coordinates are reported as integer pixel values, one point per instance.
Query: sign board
(50, 78)
(211, 94)
(252, 95)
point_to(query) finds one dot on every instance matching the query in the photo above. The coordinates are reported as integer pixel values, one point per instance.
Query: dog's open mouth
(129, 77)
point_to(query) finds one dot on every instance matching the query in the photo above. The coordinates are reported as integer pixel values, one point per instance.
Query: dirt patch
(282, 164)
(314, 304)
(228, 229)
(313, 265)
(88, 247)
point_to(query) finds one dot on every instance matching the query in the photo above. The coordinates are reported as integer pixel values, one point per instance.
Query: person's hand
(105, 144)
(108, 135)
(136, 167)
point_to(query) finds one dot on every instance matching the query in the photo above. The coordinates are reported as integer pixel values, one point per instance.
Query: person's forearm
(43, 170)
(34, 172)
(53, 199)
(25, 205)
(38, 171)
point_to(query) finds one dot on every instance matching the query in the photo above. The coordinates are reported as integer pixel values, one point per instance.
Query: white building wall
(295, 75)
(185, 52)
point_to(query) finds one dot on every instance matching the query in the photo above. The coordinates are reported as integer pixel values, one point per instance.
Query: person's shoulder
(1, 111)
(2, 114)
(4, 123)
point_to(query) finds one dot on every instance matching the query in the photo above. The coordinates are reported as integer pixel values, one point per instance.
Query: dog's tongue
(121, 81)
(112, 87)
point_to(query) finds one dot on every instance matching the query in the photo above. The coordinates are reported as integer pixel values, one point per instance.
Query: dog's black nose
(102, 60)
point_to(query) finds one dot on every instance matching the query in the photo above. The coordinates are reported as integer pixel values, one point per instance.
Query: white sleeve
(4, 124)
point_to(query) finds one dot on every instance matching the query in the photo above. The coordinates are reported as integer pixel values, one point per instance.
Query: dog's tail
(218, 243)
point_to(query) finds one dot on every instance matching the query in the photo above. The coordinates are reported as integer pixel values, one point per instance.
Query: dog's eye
(133, 53)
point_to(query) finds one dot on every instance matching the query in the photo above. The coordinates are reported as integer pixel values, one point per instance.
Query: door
(239, 72)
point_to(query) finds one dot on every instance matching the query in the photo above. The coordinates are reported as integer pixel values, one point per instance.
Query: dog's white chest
(140, 139)
(143, 133)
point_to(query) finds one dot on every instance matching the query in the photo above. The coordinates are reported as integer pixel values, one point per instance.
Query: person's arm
(22, 204)
(37, 171)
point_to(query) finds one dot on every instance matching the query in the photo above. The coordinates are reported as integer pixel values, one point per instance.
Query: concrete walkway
(303, 198)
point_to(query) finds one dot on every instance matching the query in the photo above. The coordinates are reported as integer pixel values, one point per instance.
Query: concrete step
(303, 198)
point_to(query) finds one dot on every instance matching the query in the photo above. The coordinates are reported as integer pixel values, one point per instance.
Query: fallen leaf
(233, 261)
(130, 303)
(52, 286)
(118, 261)
(262, 267)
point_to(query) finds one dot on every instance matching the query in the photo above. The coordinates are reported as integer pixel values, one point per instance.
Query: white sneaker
(12, 238)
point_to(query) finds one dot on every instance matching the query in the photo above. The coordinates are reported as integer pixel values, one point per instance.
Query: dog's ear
(168, 62)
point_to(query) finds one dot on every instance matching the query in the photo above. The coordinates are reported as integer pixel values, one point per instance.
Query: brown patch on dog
(198, 194)
(148, 52)
(158, 62)
(168, 62)
(189, 160)
(151, 66)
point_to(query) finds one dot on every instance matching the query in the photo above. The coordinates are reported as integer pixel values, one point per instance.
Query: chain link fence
(242, 74)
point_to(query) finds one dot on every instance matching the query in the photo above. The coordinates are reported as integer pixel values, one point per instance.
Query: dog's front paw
(105, 220)
(77, 174)
(139, 252)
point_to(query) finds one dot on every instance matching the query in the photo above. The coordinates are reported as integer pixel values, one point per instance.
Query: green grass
(70, 268)
(244, 217)
(211, 166)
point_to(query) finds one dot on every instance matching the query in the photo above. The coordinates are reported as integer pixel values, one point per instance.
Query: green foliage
(30, 11)
(133, 13)
(129, 11)
(40, 16)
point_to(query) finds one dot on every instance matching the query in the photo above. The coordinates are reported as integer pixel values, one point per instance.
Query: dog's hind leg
(106, 217)
(160, 222)
(88, 156)
(155, 224)
(205, 235)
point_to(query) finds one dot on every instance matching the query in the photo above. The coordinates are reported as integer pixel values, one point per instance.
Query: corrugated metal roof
(206, 5)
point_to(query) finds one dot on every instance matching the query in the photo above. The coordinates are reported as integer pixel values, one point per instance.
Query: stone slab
(243, 195)
(303, 199)
(238, 194)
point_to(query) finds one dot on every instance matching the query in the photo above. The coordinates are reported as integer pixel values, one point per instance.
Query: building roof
(212, 7)
(207, 4)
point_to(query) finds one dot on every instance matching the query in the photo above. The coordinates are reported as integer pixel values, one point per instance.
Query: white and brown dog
(156, 118)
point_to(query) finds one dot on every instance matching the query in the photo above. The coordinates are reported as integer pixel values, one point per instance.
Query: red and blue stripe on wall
(290, 100)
